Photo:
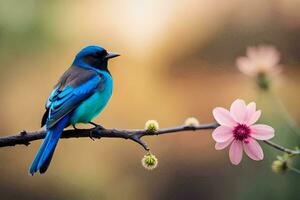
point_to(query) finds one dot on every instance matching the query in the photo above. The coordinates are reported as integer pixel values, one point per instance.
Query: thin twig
(294, 170)
(281, 148)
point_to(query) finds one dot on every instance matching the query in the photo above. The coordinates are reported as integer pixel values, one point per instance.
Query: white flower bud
(191, 121)
(151, 125)
(149, 161)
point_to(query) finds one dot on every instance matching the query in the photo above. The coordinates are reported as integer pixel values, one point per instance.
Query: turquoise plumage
(92, 106)
(80, 95)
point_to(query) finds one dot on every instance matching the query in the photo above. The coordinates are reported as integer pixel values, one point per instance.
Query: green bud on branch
(149, 161)
(191, 121)
(151, 125)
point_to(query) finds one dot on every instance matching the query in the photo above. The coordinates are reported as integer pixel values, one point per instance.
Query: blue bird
(80, 95)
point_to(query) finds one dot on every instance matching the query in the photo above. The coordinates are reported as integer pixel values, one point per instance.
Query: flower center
(241, 132)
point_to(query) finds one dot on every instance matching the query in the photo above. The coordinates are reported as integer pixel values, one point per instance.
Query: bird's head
(93, 57)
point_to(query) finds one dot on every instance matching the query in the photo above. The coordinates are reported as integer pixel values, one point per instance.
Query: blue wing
(75, 86)
(64, 100)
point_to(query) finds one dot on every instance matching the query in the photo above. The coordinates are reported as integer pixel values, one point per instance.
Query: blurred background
(178, 60)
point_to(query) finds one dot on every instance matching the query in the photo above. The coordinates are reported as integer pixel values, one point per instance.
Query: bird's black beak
(111, 55)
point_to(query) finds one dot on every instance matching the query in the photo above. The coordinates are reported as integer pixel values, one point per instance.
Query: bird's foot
(74, 127)
(91, 135)
(96, 126)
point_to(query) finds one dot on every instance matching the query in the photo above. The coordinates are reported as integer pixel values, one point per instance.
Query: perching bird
(79, 96)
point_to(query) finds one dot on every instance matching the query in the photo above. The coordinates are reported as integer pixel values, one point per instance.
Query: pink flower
(260, 60)
(237, 129)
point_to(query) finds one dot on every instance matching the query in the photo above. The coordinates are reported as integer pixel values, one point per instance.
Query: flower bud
(149, 161)
(263, 81)
(279, 166)
(191, 121)
(151, 125)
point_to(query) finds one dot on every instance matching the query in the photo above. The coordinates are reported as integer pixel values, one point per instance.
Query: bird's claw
(74, 127)
(91, 135)
(97, 126)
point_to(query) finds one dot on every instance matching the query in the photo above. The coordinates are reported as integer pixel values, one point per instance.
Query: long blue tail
(43, 158)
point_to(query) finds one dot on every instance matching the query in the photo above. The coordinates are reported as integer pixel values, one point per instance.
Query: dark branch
(25, 137)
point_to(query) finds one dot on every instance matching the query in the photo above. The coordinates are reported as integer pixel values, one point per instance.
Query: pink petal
(236, 152)
(252, 115)
(253, 118)
(246, 66)
(251, 108)
(222, 134)
(262, 132)
(253, 149)
(238, 110)
(223, 117)
(223, 145)
(252, 52)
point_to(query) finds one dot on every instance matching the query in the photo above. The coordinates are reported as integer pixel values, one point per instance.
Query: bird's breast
(93, 105)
